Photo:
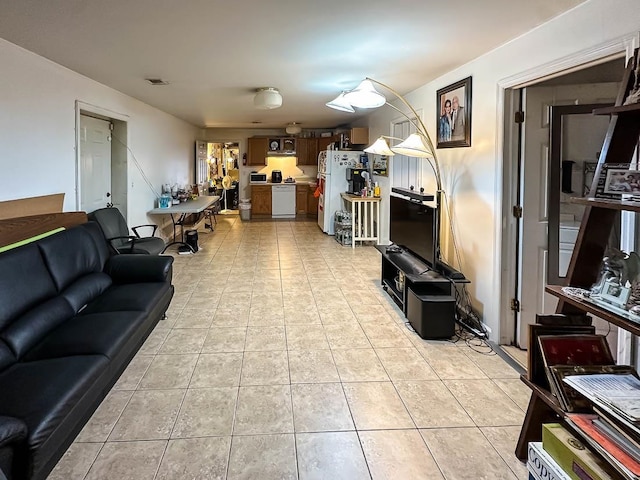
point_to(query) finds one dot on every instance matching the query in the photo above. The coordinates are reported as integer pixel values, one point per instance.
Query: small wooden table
(365, 218)
(181, 210)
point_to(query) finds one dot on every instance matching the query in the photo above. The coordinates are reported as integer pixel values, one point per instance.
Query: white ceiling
(216, 53)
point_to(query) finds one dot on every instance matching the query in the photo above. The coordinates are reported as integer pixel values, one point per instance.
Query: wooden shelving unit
(584, 305)
(619, 145)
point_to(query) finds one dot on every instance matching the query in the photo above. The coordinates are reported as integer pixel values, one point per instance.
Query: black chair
(115, 230)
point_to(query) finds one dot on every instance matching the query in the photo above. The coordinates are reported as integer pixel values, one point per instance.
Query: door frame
(505, 267)
(119, 153)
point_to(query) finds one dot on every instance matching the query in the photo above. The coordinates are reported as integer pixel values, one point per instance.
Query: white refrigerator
(332, 179)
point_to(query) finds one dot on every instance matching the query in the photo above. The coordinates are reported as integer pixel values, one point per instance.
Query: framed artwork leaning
(454, 115)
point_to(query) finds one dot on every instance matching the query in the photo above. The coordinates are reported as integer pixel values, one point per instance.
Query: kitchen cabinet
(261, 199)
(307, 151)
(312, 202)
(323, 142)
(301, 199)
(257, 151)
(359, 136)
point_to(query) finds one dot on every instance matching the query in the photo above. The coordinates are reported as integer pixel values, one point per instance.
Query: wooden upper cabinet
(258, 148)
(307, 151)
(323, 142)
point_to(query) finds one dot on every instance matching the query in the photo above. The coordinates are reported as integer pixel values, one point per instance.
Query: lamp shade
(267, 98)
(293, 128)
(365, 95)
(340, 103)
(380, 147)
(413, 146)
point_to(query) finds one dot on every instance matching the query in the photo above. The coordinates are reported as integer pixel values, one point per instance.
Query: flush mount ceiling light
(293, 128)
(267, 98)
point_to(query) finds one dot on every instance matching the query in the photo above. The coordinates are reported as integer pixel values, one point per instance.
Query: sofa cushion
(131, 297)
(85, 289)
(31, 327)
(44, 395)
(97, 333)
(72, 254)
(25, 282)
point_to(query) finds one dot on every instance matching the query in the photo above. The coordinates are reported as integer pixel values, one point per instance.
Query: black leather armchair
(115, 230)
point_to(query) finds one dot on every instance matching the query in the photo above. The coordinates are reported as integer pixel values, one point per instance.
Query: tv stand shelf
(426, 297)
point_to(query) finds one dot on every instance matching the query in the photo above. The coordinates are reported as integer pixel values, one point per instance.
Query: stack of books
(613, 429)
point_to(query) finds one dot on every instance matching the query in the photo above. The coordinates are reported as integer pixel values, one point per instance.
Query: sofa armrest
(13, 433)
(130, 268)
(12, 430)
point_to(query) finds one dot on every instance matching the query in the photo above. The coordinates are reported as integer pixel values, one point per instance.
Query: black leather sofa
(71, 318)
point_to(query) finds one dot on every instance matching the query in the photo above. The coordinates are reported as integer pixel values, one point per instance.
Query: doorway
(542, 194)
(101, 159)
(222, 172)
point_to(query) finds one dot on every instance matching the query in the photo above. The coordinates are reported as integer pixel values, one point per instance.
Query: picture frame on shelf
(621, 181)
(614, 293)
(453, 116)
(601, 173)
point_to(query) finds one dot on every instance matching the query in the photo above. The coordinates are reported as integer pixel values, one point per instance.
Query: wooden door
(257, 151)
(301, 199)
(312, 202)
(261, 199)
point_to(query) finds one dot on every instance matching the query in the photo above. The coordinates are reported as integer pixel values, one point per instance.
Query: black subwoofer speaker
(431, 316)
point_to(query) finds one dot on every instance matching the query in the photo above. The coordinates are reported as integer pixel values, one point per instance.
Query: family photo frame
(454, 115)
(620, 181)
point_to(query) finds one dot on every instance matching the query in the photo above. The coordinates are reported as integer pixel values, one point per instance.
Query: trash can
(191, 239)
(245, 209)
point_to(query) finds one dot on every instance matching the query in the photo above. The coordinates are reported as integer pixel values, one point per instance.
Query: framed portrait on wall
(454, 115)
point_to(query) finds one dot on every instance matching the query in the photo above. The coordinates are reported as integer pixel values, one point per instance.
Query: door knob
(108, 194)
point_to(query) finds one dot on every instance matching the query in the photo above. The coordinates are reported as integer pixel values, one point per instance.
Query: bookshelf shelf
(607, 203)
(586, 306)
(633, 109)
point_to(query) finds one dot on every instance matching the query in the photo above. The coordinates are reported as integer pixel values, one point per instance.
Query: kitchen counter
(297, 182)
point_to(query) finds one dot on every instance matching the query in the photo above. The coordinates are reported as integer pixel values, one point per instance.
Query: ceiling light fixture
(340, 103)
(293, 128)
(417, 144)
(267, 98)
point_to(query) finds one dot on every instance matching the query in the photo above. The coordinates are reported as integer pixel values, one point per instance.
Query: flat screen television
(414, 226)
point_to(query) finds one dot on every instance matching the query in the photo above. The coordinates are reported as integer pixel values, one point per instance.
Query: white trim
(615, 48)
(622, 45)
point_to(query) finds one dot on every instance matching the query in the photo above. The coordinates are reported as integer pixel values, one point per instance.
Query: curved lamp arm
(420, 126)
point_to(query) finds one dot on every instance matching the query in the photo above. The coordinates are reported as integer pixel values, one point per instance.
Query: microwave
(258, 178)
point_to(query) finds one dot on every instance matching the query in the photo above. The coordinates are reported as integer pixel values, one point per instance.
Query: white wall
(37, 133)
(472, 176)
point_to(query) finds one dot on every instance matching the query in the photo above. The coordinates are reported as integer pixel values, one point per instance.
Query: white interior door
(95, 163)
(534, 224)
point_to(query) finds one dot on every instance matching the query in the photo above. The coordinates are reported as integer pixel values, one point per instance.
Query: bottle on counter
(376, 190)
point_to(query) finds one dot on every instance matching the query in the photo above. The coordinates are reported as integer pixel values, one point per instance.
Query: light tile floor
(282, 358)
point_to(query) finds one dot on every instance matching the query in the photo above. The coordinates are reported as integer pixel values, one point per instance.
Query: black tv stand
(425, 296)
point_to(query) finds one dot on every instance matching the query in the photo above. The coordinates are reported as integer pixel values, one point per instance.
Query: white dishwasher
(283, 201)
